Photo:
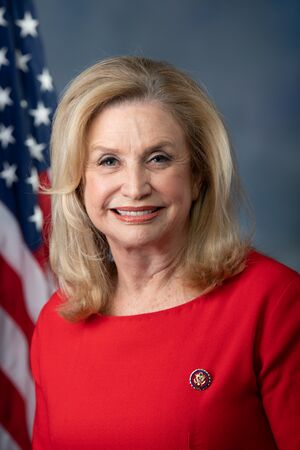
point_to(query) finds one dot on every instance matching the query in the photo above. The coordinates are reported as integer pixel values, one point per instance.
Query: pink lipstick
(135, 215)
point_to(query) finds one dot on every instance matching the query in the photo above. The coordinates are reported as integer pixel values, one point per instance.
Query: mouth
(137, 214)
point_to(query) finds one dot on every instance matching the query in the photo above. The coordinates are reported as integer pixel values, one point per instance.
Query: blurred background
(245, 54)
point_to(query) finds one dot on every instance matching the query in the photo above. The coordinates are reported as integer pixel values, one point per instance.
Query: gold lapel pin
(200, 379)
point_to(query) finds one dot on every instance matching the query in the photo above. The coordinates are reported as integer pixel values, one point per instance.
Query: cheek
(178, 188)
(92, 192)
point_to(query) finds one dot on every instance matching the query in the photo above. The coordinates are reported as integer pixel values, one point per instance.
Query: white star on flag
(22, 60)
(37, 218)
(24, 166)
(35, 149)
(6, 137)
(2, 20)
(45, 80)
(5, 98)
(33, 180)
(9, 174)
(28, 25)
(3, 60)
(40, 114)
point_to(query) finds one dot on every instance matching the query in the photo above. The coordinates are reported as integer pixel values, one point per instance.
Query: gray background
(246, 54)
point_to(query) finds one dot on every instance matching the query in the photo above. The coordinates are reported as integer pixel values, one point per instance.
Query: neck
(148, 280)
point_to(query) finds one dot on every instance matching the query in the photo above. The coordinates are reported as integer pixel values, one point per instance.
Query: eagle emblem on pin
(200, 379)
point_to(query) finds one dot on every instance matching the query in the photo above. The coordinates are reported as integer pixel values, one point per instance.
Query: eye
(108, 161)
(160, 158)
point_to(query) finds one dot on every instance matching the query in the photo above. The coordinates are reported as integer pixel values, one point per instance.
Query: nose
(136, 184)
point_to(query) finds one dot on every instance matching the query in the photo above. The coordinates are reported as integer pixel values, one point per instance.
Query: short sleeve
(279, 366)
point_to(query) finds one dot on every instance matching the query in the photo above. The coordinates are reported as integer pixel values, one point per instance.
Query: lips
(136, 214)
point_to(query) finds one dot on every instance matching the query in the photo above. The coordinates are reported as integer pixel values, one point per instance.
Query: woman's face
(138, 180)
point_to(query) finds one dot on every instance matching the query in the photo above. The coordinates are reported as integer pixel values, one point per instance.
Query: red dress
(131, 383)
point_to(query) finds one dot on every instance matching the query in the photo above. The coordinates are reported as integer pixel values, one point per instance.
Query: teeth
(135, 213)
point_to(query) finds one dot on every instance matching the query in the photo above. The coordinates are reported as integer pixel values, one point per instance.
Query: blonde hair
(79, 252)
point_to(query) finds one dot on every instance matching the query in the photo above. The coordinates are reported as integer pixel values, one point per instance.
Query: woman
(167, 332)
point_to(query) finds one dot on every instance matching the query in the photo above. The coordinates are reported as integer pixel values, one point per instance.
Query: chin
(137, 239)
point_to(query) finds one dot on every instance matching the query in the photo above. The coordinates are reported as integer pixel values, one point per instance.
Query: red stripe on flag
(13, 414)
(12, 299)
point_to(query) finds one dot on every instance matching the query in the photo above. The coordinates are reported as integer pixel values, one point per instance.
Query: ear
(197, 183)
(80, 192)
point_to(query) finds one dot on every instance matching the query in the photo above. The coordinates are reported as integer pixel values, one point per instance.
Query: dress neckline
(157, 313)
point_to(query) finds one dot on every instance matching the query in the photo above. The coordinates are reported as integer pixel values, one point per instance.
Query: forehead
(141, 122)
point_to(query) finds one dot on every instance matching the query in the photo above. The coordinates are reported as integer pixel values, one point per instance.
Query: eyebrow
(148, 150)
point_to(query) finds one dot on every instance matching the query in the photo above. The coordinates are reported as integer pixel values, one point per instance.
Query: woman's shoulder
(265, 267)
(49, 314)
(51, 327)
(265, 275)
(53, 303)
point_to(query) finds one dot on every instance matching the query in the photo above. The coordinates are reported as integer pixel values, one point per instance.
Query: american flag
(27, 103)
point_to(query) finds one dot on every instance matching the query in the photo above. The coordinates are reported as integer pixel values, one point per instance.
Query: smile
(136, 215)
